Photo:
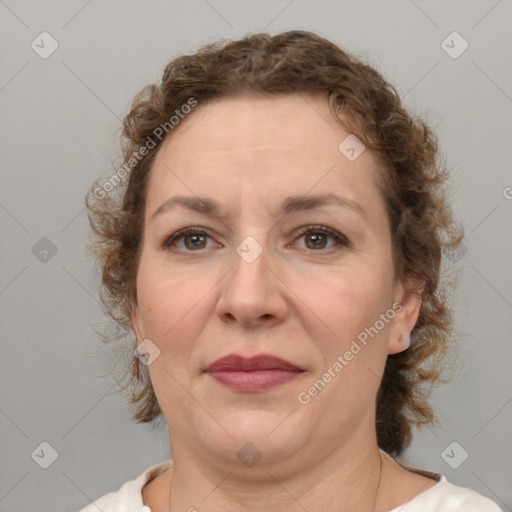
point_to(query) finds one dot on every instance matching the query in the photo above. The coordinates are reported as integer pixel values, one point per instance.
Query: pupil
(196, 240)
(317, 238)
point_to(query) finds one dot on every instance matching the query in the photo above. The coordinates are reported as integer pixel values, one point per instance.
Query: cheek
(349, 300)
(172, 314)
(172, 311)
(355, 352)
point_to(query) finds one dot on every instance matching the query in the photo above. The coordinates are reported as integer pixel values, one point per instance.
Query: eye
(317, 237)
(191, 239)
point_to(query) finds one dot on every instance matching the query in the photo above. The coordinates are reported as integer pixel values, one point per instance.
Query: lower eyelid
(173, 239)
(339, 238)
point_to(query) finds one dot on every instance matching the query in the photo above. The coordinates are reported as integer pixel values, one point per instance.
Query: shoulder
(447, 497)
(129, 497)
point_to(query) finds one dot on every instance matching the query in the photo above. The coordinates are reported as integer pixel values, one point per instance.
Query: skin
(305, 299)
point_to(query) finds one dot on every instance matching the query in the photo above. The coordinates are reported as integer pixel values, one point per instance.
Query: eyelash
(341, 240)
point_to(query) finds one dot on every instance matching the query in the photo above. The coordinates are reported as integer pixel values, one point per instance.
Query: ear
(407, 316)
(136, 320)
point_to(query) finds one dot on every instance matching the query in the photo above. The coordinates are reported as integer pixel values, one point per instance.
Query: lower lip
(253, 381)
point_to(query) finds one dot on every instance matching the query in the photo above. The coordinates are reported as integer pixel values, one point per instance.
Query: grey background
(61, 121)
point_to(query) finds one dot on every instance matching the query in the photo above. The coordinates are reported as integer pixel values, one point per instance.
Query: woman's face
(254, 279)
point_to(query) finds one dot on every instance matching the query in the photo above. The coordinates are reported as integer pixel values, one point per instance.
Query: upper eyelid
(336, 235)
(301, 231)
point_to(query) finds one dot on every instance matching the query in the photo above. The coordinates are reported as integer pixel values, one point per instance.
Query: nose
(252, 295)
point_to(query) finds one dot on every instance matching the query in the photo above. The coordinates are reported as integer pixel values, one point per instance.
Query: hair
(412, 181)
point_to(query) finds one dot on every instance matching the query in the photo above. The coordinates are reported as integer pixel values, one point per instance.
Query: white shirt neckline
(441, 497)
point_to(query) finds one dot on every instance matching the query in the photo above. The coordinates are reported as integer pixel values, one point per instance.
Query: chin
(258, 437)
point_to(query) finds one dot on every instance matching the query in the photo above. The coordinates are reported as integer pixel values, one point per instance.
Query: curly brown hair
(412, 183)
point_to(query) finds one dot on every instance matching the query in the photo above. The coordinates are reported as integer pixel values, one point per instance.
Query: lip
(253, 374)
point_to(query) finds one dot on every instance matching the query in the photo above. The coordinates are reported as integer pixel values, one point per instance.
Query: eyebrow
(290, 205)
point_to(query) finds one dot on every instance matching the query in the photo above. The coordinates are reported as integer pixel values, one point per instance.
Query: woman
(276, 253)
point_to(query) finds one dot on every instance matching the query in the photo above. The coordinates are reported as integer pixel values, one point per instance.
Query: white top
(442, 497)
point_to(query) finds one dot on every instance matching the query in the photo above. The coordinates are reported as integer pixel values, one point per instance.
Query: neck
(347, 479)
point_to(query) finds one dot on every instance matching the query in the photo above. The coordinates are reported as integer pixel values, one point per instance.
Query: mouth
(253, 374)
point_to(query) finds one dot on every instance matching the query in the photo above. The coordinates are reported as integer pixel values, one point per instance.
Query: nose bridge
(251, 292)
(250, 261)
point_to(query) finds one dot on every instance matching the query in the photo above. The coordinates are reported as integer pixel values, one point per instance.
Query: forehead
(270, 146)
(301, 122)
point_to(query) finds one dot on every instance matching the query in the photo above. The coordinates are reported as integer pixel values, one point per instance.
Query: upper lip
(237, 363)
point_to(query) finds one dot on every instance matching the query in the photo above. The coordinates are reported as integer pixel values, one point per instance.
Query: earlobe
(400, 345)
(406, 341)
(401, 337)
